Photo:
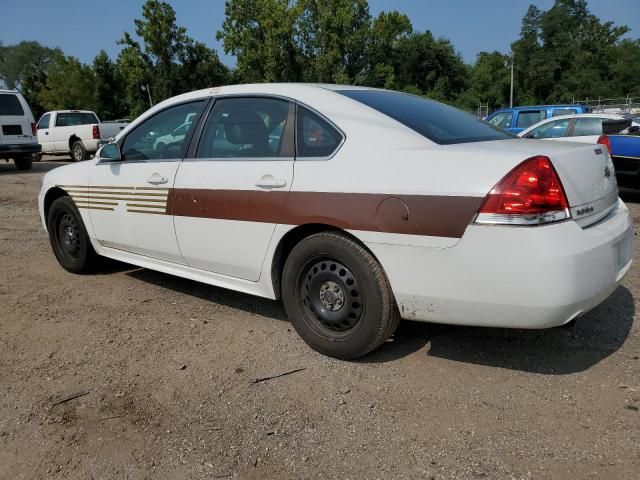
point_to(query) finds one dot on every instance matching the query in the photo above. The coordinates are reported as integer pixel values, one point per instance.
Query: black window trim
(187, 141)
(289, 131)
(191, 154)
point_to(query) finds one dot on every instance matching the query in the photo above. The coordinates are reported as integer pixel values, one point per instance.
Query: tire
(346, 322)
(78, 152)
(23, 163)
(38, 157)
(69, 239)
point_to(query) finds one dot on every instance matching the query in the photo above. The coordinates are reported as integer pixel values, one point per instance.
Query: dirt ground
(167, 371)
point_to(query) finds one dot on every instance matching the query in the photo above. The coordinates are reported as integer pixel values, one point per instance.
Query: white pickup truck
(78, 132)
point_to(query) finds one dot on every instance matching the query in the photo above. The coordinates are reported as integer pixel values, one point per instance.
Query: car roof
(609, 116)
(4, 90)
(70, 111)
(529, 107)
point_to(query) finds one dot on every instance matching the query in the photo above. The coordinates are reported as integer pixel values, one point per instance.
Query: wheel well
(72, 140)
(51, 196)
(290, 240)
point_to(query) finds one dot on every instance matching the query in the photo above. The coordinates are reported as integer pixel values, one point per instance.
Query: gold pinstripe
(151, 200)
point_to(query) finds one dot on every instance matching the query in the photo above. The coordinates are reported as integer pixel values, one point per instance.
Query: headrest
(245, 128)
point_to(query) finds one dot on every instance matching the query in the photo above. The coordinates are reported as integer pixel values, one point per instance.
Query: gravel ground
(166, 370)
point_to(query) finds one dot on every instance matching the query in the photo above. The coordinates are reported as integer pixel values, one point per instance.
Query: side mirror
(110, 153)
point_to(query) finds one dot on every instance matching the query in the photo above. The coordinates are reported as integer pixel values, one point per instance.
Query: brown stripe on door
(431, 215)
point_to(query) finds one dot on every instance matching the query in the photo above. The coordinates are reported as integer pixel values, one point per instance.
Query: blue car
(517, 119)
(625, 153)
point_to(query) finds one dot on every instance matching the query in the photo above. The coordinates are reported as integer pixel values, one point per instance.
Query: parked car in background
(625, 152)
(517, 119)
(582, 127)
(18, 140)
(400, 207)
(78, 132)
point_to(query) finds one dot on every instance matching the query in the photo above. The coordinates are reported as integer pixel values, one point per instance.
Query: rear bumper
(11, 149)
(513, 277)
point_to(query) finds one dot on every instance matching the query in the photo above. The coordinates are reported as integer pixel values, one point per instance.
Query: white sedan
(356, 206)
(582, 127)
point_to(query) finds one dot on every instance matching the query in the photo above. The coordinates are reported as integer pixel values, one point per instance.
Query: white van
(18, 136)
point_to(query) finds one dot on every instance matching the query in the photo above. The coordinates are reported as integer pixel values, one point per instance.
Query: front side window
(502, 119)
(44, 121)
(439, 123)
(10, 105)
(529, 117)
(154, 138)
(554, 129)
(72, 119)
(315, 137)
(245, 128)
(587, 126)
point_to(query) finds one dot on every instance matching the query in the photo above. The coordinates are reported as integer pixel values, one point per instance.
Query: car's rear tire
(337, 296)
(69, 239)
(23, 163)
(78, 152)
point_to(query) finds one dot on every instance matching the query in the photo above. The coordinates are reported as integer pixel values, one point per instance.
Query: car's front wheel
(337, 296)
(68, 236)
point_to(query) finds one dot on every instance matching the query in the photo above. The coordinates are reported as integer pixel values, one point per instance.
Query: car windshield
(437, 122)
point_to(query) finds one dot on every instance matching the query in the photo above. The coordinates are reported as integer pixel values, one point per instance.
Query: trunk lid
(586, 172)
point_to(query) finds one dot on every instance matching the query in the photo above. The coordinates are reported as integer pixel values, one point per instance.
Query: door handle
(269, 182)
(157, 179)
(46, 133)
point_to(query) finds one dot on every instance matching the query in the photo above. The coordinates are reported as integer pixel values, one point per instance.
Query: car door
(128, 198)
(44, 133)
(553, 130)
(526, 118)
(587, 129)
(229, 192)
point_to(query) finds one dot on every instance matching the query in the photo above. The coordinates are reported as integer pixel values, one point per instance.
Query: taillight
(530, 194)
(96, 132)
(604, 140)
(34, 129)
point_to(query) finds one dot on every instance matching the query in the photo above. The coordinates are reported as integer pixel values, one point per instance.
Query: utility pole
(511, 96)
(145, 88)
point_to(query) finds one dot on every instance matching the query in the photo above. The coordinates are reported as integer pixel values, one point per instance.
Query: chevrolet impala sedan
(357, 207)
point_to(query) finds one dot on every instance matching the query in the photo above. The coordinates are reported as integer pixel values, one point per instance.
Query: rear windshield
(438, 122)
(75, 118)
(10, 105)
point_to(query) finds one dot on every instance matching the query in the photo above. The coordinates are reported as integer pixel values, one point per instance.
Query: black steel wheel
(69, 239)
(337, 296)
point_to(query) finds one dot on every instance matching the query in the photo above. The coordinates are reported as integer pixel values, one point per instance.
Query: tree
(260, 33)
(69, 85)
(24, 66)
(333, 36)
(109, 88)
(489, 81)
(199, 68)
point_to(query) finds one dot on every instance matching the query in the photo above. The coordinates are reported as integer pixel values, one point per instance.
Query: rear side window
(555, 129)
(587, 126)
(502, 119)
(529, 117)
(10, 105)
(75, 118)
(315, 137)
(558, 112)
(246, 128)
(437, 122)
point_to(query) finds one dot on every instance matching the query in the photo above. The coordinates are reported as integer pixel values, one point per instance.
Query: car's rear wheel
(23, 163)
(69, 238)
(337, 296)
(78, 152)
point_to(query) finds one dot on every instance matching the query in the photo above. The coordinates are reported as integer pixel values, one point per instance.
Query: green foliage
(562, 53)
(69, 85)
(261, 34)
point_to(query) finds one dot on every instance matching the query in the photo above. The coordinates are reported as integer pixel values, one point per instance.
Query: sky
(82, 28)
